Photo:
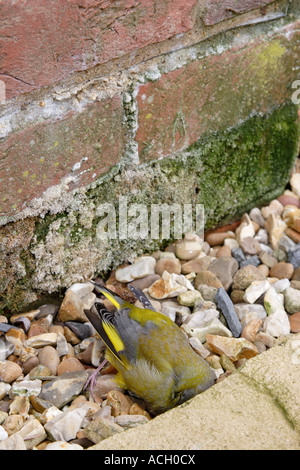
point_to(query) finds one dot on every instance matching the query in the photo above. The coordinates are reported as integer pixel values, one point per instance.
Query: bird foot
(91, 381)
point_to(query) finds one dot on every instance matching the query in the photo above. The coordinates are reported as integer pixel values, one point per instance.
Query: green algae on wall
(228, 172)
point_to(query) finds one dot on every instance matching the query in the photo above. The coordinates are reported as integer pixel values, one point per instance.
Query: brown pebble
(295, 322)
(48, 356)
(71, 364)
(223, 251)
(282, 270)
(250, 329)
(120, 403)
(9, 371)
(295, 236)
(288, 200)
(171, 265)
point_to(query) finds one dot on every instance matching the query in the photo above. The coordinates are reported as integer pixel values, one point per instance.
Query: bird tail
(110, 295)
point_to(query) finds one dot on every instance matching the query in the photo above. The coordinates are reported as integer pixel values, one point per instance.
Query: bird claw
(91, 381)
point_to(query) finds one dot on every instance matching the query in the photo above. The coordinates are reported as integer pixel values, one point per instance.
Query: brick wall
(93, 86)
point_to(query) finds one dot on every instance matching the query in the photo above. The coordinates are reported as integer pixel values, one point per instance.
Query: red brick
(216, 11)
(214, 93)
(40, 156)
(44, 41)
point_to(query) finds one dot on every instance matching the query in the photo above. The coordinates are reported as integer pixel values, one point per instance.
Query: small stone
(215, 327)
(70, 336)
(255, 290)
(238, 254)
(130, 421)
(224, 268)
(171, 265)
(237, 296)
(208, 293)
(227, 308)
(264, 269)
(251, 329)
(70, 364)
(198, 347)
(40, 405)
(292, 300)
(256, 215)
(141, 268)
(255, 311)
(105, 384)
(189, 298)
(250, 246)
(188, 249)
(295, 322)
(234, 348)
(9, 371)
(253, 260)
(3, 434)
(170, 285)
(6, 348)
(4, 389)
(293, 234)
(276, 228)
(232, 243)
(13, 442)
(201, 318)
(295, 285)
(282, 270)
(273, 301)
(223, 251)
(81, 330)
(262, 236)
(62, 445)
(216, 238)
(293, 257)
(245, 276)
(281, 285)
(267, 259)
(145, 282)
(277, 324)
(20, 405)
(208, 278)
(64, 388)
(17, 337)
(226, 363)
(288, 200)
(120, 403)
(77, 298)
(245, 229)
(26, 388)
(64, 426)
(39, 341)
(13, 423)
(49, 357)
(266, 339)
(100, 429)
(275, 207)
(32, 433)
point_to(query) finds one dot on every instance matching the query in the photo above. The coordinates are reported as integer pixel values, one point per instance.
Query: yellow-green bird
(152, 355)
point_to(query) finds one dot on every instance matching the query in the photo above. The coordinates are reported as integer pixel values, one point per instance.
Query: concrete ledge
(258, 407)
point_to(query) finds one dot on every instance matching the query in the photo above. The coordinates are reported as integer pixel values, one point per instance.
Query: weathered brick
(215, 93)
(84, 145)
(42, 42)
(216, 11)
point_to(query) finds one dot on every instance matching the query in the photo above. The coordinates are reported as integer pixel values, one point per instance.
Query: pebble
(294, 320)
(282, 270)
(64, 426)
(277, 324)
(224, 268)
(100, 429)
(255, 290)
(189, 298)
(6, 348)
(250, 330)
(64, 388)
(292, 300)
(170, 285)
(275, 227)
(201, 318)
(9, 371)
(250, 246)
(188, 248)
(208, 278)
(244, 276)
(62, 445)
(172, 265)
(141, 268)
(77, 298)
(233, 348)
(48, 356)
(227, 308)
(215, 327)
(39, 341)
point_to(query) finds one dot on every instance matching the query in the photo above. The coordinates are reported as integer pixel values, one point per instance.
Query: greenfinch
(152, 355)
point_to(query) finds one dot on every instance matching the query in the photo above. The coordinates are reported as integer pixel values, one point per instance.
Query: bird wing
(141, 297)
(101, 319)
(110, 295)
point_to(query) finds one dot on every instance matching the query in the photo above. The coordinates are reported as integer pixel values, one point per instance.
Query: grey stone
(293, 256)
(64, 388)
(226, 306)
(253, 260)
(238, 254)
(81, 330)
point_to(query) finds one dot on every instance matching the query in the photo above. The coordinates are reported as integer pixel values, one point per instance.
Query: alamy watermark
(155, 221)
(296, 94)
